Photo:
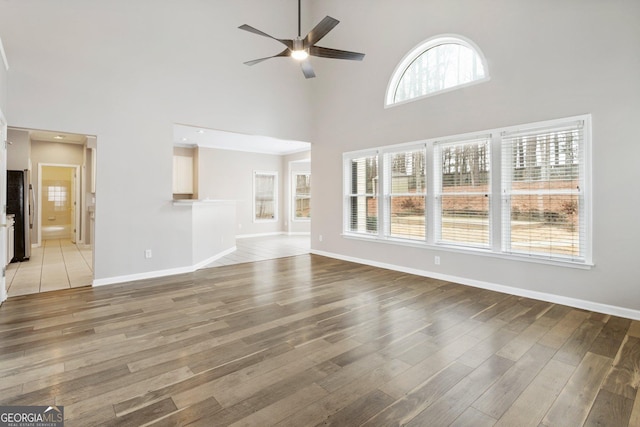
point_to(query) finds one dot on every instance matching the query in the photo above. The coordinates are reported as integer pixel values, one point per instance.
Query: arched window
(436, 65)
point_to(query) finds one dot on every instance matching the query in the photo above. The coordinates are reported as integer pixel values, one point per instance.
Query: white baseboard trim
(542, 296)
(246, 236)
(216, 257)
(298, 233)
(161, 273)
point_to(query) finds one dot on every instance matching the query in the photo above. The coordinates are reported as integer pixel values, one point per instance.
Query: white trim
(4, 56)
(418, 50)
(247, 236)
(542, 296)
(160, 273)
(299, 233)
(213, 258)
(468, 250)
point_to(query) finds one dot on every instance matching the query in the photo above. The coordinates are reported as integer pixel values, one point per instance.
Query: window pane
(440, 67)
(545, 224)
(465, 219)
(465, 193)
(407, 217)
(407, 194)
(364, 175)
(303, 208)
(545, 195)
(364, 214)
(302, 196)
(265, 196)
(549, 160)
(465, 168)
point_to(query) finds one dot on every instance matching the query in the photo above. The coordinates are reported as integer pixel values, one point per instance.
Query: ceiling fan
(301, 48)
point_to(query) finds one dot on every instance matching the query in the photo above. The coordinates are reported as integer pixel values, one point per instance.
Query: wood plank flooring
(308, 340)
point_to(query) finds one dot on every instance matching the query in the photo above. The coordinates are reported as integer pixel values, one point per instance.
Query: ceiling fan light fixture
(299, 55)
(302, 48)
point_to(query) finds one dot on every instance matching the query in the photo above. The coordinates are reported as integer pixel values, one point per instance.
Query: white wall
(18, 149)
(547, 59)
(126, 71)
(3, 78)
(228, 175)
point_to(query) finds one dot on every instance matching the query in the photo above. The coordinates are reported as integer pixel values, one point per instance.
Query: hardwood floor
(308, 340)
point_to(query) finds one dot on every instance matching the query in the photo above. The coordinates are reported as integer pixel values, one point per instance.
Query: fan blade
(285, 52)
(325, 52)
(307, 69)
(288, 43)
(320, 30)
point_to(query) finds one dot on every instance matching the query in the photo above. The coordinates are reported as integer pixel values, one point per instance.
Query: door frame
(76, 191)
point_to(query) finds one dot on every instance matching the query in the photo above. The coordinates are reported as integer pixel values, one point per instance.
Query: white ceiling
(69, 138)
(185, 135)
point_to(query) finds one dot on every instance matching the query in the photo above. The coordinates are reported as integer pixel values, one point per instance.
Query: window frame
(348, 194)
(497, 234)
(583, 195)
(417, 51)
(294, 194)
(275, 196)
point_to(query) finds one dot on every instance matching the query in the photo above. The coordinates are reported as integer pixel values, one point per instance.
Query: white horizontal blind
(362, 194)
(463, 189)
(543, 211)
(405, 194)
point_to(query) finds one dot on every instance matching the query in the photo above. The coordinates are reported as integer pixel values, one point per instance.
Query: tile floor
(60, 264)
(57, 264)
(252, 249)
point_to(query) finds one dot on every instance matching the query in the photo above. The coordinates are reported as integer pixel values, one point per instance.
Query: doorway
(58, 208)
(63, 167)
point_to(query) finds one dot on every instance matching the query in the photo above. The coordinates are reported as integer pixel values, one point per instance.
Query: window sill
(469, 251)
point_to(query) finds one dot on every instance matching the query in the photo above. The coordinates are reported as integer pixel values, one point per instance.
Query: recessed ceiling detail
(185, 135)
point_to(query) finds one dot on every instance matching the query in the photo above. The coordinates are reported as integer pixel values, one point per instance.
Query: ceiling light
(58, 137)
(300, 55)
(200, 131)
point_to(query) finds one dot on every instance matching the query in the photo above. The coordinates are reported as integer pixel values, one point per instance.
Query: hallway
(57, 264)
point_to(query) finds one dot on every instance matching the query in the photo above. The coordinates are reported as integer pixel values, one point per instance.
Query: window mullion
(497, 202)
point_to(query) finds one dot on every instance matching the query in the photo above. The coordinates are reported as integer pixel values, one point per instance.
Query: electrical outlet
(437, 260)
(148, 254)
(320, 238)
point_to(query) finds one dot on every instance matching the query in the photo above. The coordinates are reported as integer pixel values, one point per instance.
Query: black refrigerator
(19, 203)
